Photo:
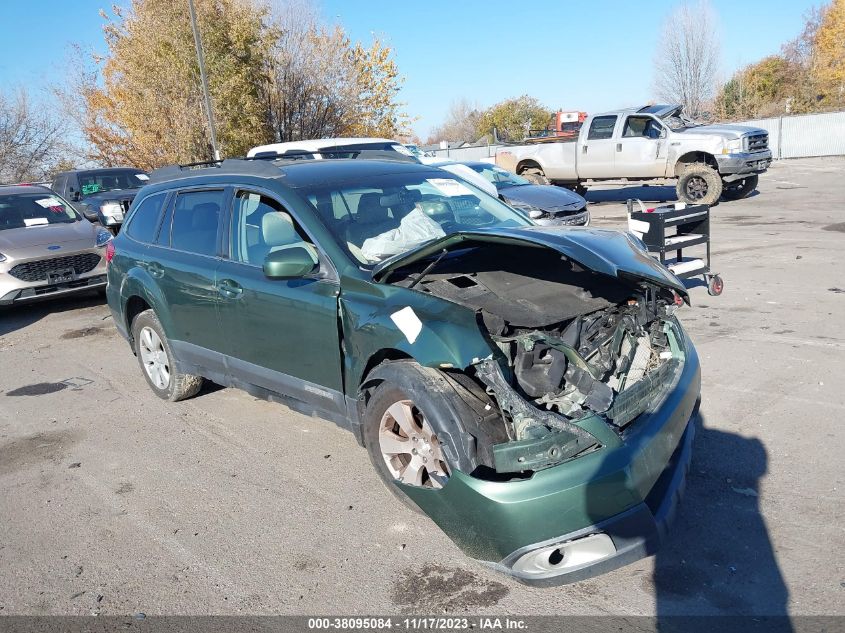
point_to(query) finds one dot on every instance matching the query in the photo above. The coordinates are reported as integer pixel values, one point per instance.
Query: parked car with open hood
(101, 195)
(529, 388)
(655, 143)
(46, 248)
(547, 205)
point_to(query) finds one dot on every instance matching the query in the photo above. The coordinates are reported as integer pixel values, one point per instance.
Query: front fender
(434, 332)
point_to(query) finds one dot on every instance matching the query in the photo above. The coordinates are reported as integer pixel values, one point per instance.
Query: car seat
(278, 233)
(371, 219)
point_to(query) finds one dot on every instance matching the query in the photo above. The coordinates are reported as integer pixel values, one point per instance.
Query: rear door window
(196, 217)
(601, 128)
(143, 225)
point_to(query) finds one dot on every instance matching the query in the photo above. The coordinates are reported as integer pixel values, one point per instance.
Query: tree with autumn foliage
(142, 103)
(274, 75)
(808, 75)
(321, 84)
(828, 63)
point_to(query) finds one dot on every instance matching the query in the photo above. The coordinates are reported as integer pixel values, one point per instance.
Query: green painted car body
(311, 342)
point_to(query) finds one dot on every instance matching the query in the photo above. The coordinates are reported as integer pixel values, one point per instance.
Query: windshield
(20, 210)
(677, 121)
(501, 178)
(91, 182)
(377, 217)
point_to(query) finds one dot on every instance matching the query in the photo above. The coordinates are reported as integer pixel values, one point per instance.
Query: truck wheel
(581, 190)
(699, 184)
(739, 189)
(535, 176)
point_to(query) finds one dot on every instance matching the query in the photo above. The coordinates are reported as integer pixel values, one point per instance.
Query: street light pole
(204, 80)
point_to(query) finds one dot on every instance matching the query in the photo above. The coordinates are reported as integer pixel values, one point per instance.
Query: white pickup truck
(652, 143)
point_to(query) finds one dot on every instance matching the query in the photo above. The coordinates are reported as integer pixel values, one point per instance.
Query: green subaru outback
(528, 388)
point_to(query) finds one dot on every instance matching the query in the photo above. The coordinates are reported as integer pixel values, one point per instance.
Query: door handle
(619, 147)
(583, 149)
(155, 269)
(229, 289)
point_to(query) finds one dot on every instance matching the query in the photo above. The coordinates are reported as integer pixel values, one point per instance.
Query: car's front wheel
(412, 433)
(157, 361)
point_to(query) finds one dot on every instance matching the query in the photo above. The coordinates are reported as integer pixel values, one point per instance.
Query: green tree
(512, 118)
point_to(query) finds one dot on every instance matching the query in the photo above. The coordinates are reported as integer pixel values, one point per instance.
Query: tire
(699, 183)
(149, 341)
(715, 285)
(535, 176)
(739, 189)
(394, 415)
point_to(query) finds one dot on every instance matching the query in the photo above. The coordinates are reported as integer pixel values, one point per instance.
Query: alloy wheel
(411, 450)
(154, 357)
(696, 188)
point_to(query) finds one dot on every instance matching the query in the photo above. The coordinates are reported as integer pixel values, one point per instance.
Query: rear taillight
(109, 251)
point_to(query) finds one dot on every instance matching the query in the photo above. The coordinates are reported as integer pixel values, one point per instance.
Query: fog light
(560, 558)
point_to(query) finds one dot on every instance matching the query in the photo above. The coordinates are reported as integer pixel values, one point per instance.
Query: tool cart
(671, 229)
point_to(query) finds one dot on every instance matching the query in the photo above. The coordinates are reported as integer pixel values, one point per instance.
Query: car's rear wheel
(412, 433)
(739, 189)
(158, 362)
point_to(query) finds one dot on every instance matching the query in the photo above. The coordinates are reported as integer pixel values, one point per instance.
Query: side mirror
(90, 214)
(290, 263)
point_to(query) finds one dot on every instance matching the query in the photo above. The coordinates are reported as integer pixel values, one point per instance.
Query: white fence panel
(813, 135)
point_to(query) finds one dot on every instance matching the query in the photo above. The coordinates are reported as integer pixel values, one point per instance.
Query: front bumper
(14, 290)
(626, 492)
(582, 218)
(744, 163)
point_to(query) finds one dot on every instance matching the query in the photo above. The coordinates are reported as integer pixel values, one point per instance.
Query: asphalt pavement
(115, 502)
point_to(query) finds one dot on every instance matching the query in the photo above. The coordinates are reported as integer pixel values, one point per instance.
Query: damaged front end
(570, 345)
(614, 364)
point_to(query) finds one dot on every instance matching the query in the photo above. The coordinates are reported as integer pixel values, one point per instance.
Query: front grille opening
(37, 270)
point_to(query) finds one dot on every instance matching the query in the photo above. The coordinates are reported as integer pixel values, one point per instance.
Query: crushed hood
(725, 130)
(546, 197)
(604, 251)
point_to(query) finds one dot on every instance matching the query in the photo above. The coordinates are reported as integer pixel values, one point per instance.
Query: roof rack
(228, 166)
(259, 165)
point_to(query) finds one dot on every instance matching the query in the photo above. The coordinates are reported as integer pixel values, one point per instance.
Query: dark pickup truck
(101, 195)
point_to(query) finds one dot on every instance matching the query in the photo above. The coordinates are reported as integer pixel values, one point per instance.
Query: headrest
(277, 229)
(370, 209)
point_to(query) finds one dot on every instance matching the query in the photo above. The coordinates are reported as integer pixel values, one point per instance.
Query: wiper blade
(428, 268)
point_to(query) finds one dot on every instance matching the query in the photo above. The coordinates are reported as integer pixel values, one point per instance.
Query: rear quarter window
(143, 225)
(601, 128)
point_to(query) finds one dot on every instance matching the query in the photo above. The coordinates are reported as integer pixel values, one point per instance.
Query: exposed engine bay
(573, 344)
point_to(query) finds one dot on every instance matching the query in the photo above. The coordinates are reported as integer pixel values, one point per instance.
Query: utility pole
(204, 80)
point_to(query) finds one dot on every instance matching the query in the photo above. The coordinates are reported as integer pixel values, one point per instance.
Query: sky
(588, 56)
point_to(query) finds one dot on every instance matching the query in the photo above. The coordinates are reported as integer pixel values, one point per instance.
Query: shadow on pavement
(718, 558)
(16, 317)
(621, 194)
